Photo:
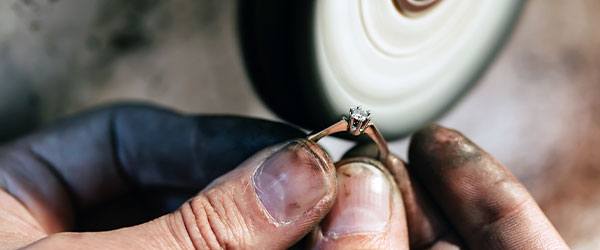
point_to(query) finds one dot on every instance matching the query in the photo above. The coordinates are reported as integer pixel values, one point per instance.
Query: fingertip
(479, 195)
(368, 212)
(363, 203)
(295, 181)
(435, 142)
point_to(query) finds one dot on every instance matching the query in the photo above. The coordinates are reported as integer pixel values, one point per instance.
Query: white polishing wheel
(405, 60)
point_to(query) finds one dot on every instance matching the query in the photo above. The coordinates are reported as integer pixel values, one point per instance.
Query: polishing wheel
(408, 61)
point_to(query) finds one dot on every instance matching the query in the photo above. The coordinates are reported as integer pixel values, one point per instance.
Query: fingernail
(362, 204)
(290, 182)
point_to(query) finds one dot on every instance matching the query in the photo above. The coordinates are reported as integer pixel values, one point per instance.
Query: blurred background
(536, 108)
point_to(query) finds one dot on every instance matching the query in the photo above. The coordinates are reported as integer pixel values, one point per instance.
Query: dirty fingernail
(290, 182)
(362, 204)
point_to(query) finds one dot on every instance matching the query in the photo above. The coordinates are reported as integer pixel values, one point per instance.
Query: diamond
(358, 120)
(359, 113)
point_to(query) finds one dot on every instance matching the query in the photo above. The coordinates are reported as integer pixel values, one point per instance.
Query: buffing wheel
(406, 60)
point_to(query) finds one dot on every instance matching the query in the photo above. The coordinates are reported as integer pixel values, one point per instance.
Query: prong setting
(358, 120)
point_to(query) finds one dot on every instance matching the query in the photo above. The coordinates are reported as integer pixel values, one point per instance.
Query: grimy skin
(142, 177)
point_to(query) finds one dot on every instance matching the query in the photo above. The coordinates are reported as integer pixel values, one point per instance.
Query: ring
(357, 122)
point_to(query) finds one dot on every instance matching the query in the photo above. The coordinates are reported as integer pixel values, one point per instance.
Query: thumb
(368, 212)
(269, 202)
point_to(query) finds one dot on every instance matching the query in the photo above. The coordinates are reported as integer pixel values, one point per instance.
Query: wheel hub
(414, 6)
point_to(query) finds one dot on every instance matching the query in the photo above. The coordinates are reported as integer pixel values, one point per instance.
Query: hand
(454, 195)
(124, 165)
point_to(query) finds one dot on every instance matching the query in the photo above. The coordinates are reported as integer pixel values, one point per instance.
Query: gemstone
(358, 120)
(359, 114)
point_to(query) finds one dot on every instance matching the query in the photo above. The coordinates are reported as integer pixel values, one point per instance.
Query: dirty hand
(120, 166)
(454, 196)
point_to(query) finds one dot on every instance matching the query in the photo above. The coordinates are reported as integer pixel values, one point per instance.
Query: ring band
(358, 122)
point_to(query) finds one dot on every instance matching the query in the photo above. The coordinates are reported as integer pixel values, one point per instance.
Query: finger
(269, 202)
(368, 212)
(427, 228)
(482, 199)
(96, 156)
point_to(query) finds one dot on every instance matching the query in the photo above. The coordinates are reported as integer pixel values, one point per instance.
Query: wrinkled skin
(129, 177)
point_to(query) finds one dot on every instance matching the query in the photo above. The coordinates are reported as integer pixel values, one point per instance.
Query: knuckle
(214, 221)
